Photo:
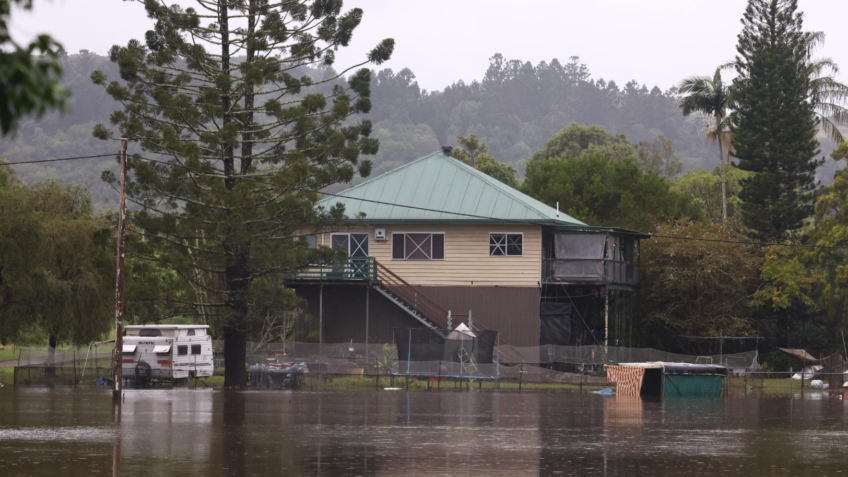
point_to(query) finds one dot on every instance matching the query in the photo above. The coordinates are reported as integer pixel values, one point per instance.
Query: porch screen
(579, 255)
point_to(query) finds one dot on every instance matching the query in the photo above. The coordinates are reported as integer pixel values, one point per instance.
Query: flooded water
(70, 432)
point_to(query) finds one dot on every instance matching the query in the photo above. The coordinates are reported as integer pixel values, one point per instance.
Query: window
(182, 350)
(355, 244)
(418, 246)
(312, 241)
(190, 332)
(506, 245)
(148, 332)
(195, 349)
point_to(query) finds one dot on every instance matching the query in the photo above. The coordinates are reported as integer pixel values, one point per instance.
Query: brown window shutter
(397, 246)
(438, 247)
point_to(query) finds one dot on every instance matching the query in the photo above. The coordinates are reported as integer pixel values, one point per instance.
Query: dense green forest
(514, 108)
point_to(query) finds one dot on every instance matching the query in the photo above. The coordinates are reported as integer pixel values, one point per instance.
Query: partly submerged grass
(9, 353)
(774, 386)
(365, 383)
(7, 375)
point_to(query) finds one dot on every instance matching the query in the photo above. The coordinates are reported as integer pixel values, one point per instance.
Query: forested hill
(514, 108)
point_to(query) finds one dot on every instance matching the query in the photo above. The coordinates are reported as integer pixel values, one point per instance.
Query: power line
(303, 189)
(424, 209)
(56, 160)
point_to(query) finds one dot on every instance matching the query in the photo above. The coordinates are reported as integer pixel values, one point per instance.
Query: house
(445, 243)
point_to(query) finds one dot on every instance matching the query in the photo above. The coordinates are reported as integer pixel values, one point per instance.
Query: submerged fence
(597, 355)
(579, 365)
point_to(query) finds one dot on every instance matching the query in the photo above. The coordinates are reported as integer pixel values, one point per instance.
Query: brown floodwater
(70, 432)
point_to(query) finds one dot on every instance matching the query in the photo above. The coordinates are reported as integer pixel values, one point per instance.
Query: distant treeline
(514, 109)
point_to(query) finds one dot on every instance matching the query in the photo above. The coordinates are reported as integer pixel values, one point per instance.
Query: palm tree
(826, 94)
(711, 96)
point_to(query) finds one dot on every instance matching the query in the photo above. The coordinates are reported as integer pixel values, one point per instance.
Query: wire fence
(591, 355)
(580, 366)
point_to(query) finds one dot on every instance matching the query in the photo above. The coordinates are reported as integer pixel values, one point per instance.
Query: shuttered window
(418, 246)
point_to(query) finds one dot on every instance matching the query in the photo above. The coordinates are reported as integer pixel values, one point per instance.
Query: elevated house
(445, 243)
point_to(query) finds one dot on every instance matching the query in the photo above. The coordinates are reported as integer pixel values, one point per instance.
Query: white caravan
(169, 352)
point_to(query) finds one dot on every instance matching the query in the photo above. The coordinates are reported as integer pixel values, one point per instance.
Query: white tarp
(461, 333)
(808, 372)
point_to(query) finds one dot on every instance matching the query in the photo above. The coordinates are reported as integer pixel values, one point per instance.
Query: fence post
(791, 384)
(520, 372)
(439, 379)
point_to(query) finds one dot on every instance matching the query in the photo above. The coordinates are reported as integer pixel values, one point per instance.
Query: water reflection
(166, 432)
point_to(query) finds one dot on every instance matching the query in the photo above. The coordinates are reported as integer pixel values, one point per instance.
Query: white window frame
(506, 245)
(419, 259)
(349, 239)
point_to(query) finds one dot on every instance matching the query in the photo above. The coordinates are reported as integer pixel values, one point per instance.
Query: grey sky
(656, 42)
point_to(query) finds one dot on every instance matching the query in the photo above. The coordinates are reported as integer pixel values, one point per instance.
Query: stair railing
(412, 296)
(432, 310)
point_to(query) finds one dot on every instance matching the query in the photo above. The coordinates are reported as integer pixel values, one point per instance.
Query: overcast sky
(657, 42)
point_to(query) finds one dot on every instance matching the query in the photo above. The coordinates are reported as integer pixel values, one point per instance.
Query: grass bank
(7, 375)
(9, 352)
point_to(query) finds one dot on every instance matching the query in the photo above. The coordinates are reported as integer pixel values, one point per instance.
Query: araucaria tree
(240, 97)
(775, 122)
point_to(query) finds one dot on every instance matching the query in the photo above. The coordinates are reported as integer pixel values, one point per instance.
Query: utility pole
(119, 277)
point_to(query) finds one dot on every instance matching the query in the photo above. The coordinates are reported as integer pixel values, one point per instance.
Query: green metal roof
(439, 188)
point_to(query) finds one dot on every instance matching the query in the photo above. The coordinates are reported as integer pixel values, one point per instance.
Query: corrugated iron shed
(438, 182)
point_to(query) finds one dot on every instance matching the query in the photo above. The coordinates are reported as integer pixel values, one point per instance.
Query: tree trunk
(52, 343)
(235, 349)
(723, 180)
(235, 334)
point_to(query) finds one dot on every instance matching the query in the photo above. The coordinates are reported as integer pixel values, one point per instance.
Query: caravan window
(162, 349)
(149, 332)
(190, 332)
(195, 349)
(182, 350)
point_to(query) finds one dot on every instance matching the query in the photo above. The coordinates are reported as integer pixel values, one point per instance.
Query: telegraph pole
(119, 277)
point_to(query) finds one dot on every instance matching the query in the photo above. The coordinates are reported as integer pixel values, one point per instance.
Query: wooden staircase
(410, 298)
(424, 309)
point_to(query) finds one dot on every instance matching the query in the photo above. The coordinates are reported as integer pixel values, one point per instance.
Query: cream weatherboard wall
(467, 261)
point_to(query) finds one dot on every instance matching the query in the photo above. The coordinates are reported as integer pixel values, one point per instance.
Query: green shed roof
(439, 188)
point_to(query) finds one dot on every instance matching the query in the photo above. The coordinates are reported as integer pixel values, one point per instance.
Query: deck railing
(589, 270)
(355, 269)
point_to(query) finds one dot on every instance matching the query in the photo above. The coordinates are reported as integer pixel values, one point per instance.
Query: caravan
(166, 352)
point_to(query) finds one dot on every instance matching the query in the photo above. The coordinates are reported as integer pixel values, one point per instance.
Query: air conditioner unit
(380, 235)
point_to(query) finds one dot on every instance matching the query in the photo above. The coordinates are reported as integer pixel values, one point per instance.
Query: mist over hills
(515, 107)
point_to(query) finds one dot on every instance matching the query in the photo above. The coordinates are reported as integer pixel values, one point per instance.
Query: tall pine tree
(776, 126)
(229, 93)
